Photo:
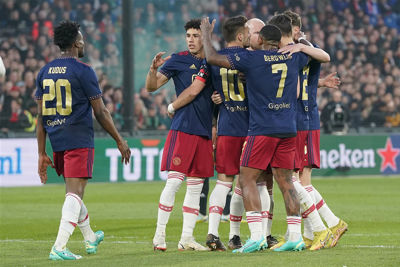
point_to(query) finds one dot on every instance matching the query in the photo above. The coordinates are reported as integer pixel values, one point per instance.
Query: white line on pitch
(366, 246)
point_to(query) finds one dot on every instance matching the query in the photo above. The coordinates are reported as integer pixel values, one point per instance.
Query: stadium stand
(362, 38)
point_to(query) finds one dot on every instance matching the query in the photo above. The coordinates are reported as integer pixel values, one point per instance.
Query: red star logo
(388, 155)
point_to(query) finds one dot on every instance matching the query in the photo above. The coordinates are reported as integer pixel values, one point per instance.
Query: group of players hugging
(264, 84)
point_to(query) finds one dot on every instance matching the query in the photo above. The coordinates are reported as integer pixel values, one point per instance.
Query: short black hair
(283, 22)
(193, 24)
(296, 19)
(232, 26)
(271, 33)
(65, 34)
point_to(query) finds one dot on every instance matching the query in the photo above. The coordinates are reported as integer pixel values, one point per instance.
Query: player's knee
(173, 184)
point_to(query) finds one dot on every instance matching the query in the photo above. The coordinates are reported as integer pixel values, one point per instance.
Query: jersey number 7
(55, 92)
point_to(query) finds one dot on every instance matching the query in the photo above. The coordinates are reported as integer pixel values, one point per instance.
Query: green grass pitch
(127, 213)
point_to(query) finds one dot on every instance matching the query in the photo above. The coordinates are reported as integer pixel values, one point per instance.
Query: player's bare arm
(44, 159)
(187, 96)
(212, 56)
(316, 53)
(104, 118)
(155, 79)
(330, 81)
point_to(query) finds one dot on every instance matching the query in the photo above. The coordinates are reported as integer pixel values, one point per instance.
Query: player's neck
(234, 44)
(285, 40)
(68, 53)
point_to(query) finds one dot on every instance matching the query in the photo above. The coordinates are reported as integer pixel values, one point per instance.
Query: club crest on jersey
(176, 161)
(237, 57)
(193, 67)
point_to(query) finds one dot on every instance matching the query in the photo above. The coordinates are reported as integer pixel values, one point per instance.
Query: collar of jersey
(198, 58)
(233, 47)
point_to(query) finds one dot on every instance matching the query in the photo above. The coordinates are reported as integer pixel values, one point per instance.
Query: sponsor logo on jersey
(278, 106)
(55, 122)
(193, 67)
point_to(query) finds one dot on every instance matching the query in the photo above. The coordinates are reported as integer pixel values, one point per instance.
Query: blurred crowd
(361, 36)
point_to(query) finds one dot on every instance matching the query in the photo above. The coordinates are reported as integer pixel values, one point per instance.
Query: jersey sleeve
(240, 61)
(39, 87)
(169, 68)
(90, 84)
(204, 72)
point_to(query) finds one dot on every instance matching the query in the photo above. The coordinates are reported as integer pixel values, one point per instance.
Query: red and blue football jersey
(233, 119)
(66, 86)
(272, 90)
(196, 117)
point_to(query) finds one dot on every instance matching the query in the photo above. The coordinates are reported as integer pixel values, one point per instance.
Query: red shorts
(300, 160)
(74, 163)
(312, 157)
(189, 154)
(260, 151)
(229, 149)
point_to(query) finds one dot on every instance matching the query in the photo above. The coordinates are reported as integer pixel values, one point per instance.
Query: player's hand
(44, 162)
(331, 81)
(216, 98)
(125, 151)
(170, 111)
(291, 49)
(158, 61)
(206, 27)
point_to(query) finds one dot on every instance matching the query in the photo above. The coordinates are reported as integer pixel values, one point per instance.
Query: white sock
(84, 224)
(191, 206)
(217, 204)
(294, 228)
(237, 209)
(69, 219)
(308, 207)
(270, 213)
(323, 209)
(167, 199)
(265, 203)
(308, 230)
(255, 224)
(309, 189)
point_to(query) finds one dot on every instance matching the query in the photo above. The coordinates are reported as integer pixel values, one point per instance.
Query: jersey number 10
(228, 85)
(55, 92)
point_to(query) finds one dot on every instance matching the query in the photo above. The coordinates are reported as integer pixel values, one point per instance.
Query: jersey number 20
(55, 92)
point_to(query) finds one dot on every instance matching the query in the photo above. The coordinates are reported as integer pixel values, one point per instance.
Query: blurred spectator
(335, 115)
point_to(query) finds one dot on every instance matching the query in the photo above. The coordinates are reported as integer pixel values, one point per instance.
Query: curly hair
(193, 24)
(65, 34)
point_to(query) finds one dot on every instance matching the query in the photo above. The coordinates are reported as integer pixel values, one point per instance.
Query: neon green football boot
(91, 247)
(61, 255)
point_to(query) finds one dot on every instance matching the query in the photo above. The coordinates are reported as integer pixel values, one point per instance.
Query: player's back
(66, 87)
(233, 117)
(196, 117)
(272, 80)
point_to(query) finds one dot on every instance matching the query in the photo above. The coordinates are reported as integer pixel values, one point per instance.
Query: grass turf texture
(127, 214)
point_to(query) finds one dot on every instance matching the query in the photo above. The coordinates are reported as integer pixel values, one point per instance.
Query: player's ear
(240, 37)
